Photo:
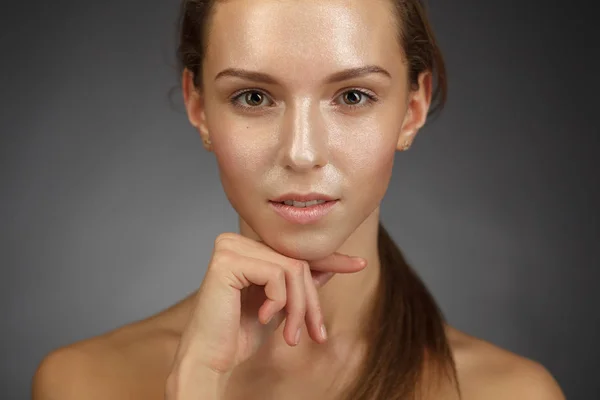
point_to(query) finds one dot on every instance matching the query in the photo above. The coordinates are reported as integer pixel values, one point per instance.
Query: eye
(251, 98)
(354, 98)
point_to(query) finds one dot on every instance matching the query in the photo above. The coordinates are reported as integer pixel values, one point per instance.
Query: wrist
(197, 382)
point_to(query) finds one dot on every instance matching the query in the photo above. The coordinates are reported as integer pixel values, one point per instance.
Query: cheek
(241, 154)
(366, 156)
(373, 172)
(238, 163)
(237, 159)
(235, 145)
(241, 146)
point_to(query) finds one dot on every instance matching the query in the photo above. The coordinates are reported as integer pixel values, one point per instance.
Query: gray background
(109, 205)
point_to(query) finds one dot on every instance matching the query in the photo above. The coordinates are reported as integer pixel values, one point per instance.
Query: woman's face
(305, 97)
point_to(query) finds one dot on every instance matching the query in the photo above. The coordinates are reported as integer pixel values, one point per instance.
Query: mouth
(302, 204)
(303, 209)
(303, 200)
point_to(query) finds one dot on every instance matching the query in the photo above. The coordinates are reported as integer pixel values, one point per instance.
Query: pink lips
(303, 215)
(303, 197)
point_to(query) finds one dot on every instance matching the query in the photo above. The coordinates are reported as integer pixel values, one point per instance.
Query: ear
(194, 105)
(418, 104)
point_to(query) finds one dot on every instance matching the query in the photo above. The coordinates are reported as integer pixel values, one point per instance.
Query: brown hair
(408, 342)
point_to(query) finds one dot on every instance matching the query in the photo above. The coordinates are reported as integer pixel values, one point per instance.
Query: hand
(248, 290)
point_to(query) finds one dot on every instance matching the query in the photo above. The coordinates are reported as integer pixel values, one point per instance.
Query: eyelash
(371, 99)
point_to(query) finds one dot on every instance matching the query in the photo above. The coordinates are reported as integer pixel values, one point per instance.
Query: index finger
(338, 263)
(335, 262)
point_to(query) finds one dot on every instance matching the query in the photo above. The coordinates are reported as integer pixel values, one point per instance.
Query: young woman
(305, 104)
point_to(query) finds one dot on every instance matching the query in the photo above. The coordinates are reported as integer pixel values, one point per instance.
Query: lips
(303, 198)
(303, 214)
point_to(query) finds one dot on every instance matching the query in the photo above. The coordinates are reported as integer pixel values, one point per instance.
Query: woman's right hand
(248, 290)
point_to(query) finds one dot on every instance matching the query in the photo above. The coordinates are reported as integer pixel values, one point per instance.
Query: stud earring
(207, 142)
(405, 146)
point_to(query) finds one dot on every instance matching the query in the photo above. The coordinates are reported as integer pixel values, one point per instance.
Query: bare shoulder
(132, 361)
(486, 371)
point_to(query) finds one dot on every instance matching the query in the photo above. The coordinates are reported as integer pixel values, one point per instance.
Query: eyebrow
(336, 77)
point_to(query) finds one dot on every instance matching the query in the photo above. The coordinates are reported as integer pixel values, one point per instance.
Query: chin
(308, 245)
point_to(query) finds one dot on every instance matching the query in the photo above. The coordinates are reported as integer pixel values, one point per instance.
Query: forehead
(304, 36)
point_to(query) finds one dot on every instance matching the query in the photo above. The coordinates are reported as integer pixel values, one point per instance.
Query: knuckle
(279, 274)
(223, 257)
(317, 308)
(294, 307)
(224, 238)
(301, 309)
(298, 267)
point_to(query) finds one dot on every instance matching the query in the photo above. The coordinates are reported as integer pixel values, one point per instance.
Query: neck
(346, 299)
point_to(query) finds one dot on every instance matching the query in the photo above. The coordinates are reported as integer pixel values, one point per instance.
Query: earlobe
(405, 140)
(405, 145)
(416, 111)
(408, 130)
(207, 144)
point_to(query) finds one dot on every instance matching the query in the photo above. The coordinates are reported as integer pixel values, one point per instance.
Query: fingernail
(323, 332)
(298, 336)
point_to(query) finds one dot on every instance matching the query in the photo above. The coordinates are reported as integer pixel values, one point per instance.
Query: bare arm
(533, 381)
(67, 374)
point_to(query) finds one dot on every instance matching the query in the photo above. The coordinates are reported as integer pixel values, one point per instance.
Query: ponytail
(407, 337)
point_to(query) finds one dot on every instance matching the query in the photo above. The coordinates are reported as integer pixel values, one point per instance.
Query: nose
(303, 139)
